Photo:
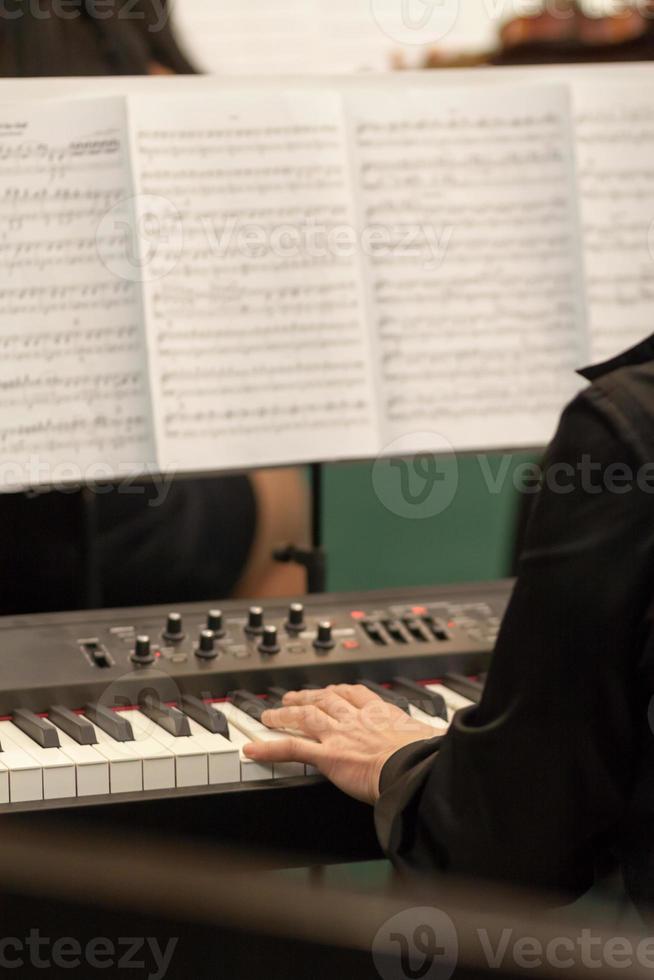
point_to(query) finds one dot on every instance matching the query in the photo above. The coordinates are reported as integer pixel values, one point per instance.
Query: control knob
(215, 622)
(174, 631)
(254, 624)
(206, 648)
(324, 639)
(269, 643)
(295, 622)
(142, 653)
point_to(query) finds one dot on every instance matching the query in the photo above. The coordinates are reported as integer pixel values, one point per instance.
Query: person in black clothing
(144, 543)
(554, 770)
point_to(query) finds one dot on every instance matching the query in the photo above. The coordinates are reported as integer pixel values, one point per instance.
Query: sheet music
(73, 393)
(615, 151)
(258, 346)
(476, 303)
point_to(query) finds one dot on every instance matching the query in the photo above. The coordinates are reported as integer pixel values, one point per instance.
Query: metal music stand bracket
(313, 559)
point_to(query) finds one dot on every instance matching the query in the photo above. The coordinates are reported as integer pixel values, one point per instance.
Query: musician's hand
(349, 734)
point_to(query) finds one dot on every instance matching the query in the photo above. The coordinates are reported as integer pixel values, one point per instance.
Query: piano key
(76, 727)
(429, 702)
(58, 770)
(224, 763)
(454, 701)
(171, 719)
(111, 722)
(438, 724)
(190, 754)
(25, 776)
(465, 686)
(275, 696)
(4, 784)
(249, 703)
(157, 763)
(391, 697)
(203, 715)
(125, 771)
(38, 729)
(91, 767)
(257, 732)
(251, 771)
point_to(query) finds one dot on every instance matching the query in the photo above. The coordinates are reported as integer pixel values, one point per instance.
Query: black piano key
(206, 716)
(170, 719)
(111, 722)
(276, 696)
(43, 733)
(465, 686)
(386, 695)
(249, 703)
(78, 728)
(430, 702)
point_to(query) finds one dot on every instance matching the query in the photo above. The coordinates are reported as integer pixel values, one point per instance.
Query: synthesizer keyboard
(115, 710)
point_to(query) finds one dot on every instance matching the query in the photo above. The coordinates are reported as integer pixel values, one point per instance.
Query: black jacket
(555, 767)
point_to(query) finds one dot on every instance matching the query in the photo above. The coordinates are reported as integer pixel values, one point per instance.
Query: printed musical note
(72, 382)
(258, 342)
(475, 281)
(615, 137)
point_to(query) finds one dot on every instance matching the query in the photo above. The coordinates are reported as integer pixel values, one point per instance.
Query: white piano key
(256, 732)
(158, 763)
(92, 769)
(4, 784)
(224, 762)
(25, 776)
(58, 771)
(125, 771)
(439, 725)
(453, 701)
(251, 771)
(190, 754)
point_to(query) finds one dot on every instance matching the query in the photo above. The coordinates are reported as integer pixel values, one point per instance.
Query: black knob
(206, 648)
(142, 653)
(174, 631)
(215, 622)
(295, 621)
(324, 639)
(255, 621)
(269, 642)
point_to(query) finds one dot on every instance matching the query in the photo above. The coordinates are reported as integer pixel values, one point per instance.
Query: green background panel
(370, 547)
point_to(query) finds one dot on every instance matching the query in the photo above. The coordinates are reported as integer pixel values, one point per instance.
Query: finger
(356, 694)
(325, 699)
(285, 750)
(307, 719)
(306, 697)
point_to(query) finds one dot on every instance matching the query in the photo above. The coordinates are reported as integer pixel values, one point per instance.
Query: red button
(419, 610)
(351, 644)
(358, 614)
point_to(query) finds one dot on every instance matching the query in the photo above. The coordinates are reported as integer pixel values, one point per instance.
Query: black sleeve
(525, 785)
